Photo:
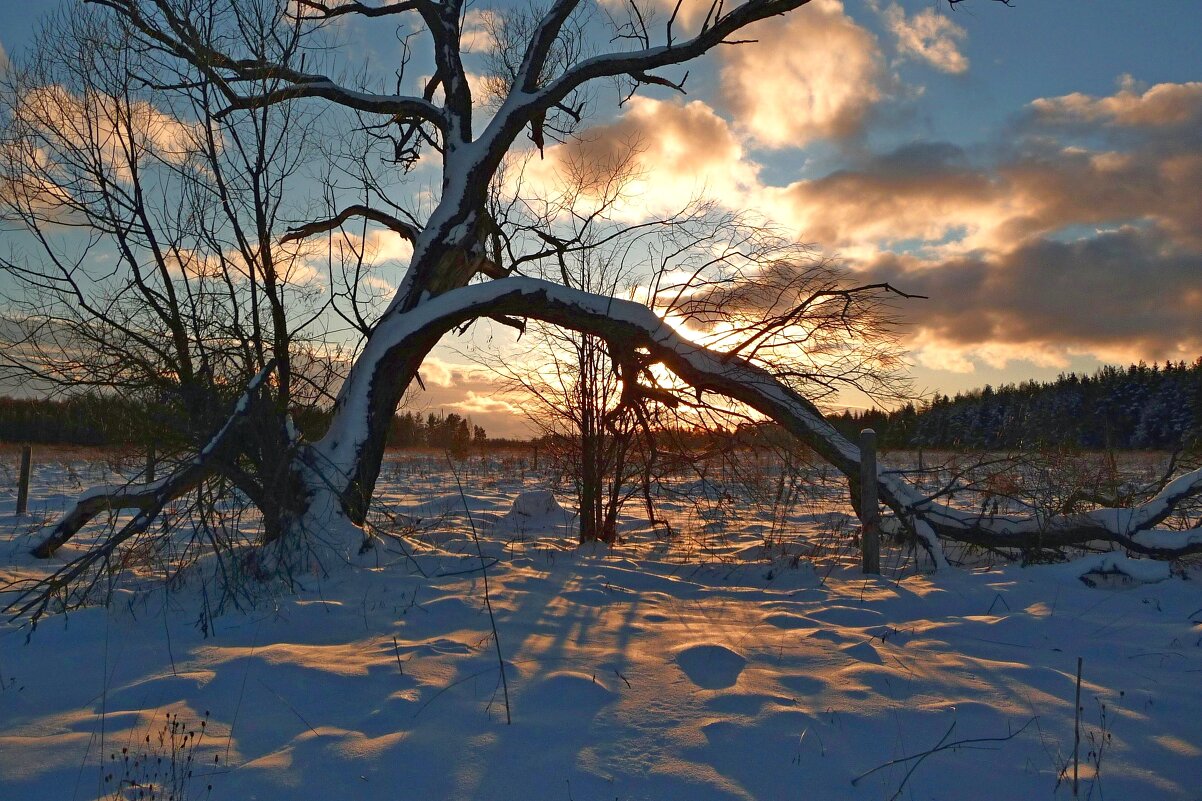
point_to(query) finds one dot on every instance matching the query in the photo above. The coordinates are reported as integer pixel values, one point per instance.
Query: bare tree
(261, 66)
(148, 261)
(572, 400)
(598, 433)
(543, 75)
(734, 279)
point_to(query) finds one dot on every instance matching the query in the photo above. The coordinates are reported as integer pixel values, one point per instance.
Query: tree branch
(637, 64)
(327, 11)
(637, 327)
(406, 230)
(179, 37)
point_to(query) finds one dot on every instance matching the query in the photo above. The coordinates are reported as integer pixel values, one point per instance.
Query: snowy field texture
(746, 658)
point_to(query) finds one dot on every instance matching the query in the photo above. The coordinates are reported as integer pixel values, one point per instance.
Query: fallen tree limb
(149, 498)
(1132, 527)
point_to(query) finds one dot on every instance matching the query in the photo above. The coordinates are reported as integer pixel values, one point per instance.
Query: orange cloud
(680, 151)
(924, 192)
(471, 390)
(1045, 248)
(932, 197)
(1008, 242)
(813, 74)
(1121, 292)
(475, 404)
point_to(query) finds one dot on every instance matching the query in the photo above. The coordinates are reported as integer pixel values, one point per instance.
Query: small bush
(164, 766)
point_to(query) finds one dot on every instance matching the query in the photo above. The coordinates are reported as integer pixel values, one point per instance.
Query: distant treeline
(110, 420)
(449, 432)
(1140, 407)
(86, 419)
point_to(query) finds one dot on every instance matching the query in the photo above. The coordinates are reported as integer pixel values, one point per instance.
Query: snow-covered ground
(708, 667)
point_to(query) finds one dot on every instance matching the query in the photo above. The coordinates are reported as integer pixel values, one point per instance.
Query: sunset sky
(1035, 170)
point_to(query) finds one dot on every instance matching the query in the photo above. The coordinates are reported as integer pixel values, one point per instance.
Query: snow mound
(709, 666)
(568, 690)
(787, 621)
(536, 510)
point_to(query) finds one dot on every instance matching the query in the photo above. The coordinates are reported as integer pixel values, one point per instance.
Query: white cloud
(388, 246)
(476, 32)
(1164, 104)
(929, 36)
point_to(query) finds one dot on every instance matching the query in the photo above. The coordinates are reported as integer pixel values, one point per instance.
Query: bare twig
(496, 638)
(1077, 730)
(942, 745)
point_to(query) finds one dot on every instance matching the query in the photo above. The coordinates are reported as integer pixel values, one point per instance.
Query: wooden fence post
(870, 537)
(23, 481)
(150, 464)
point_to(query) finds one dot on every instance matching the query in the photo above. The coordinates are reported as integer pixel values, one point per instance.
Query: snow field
(704, 668)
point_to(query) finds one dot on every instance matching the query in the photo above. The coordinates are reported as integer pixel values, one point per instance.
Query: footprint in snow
(711, 667)
(568, 690)
(788, 621)
(863, 652)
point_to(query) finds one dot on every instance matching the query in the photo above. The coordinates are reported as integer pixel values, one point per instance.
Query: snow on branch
(301, 85)
(541, 44)
(636, 64)
(1131, 527)
(318, 10)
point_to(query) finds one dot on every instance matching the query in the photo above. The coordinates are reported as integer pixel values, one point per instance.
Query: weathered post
(23, 481)
(870, 537)
(150, 463)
